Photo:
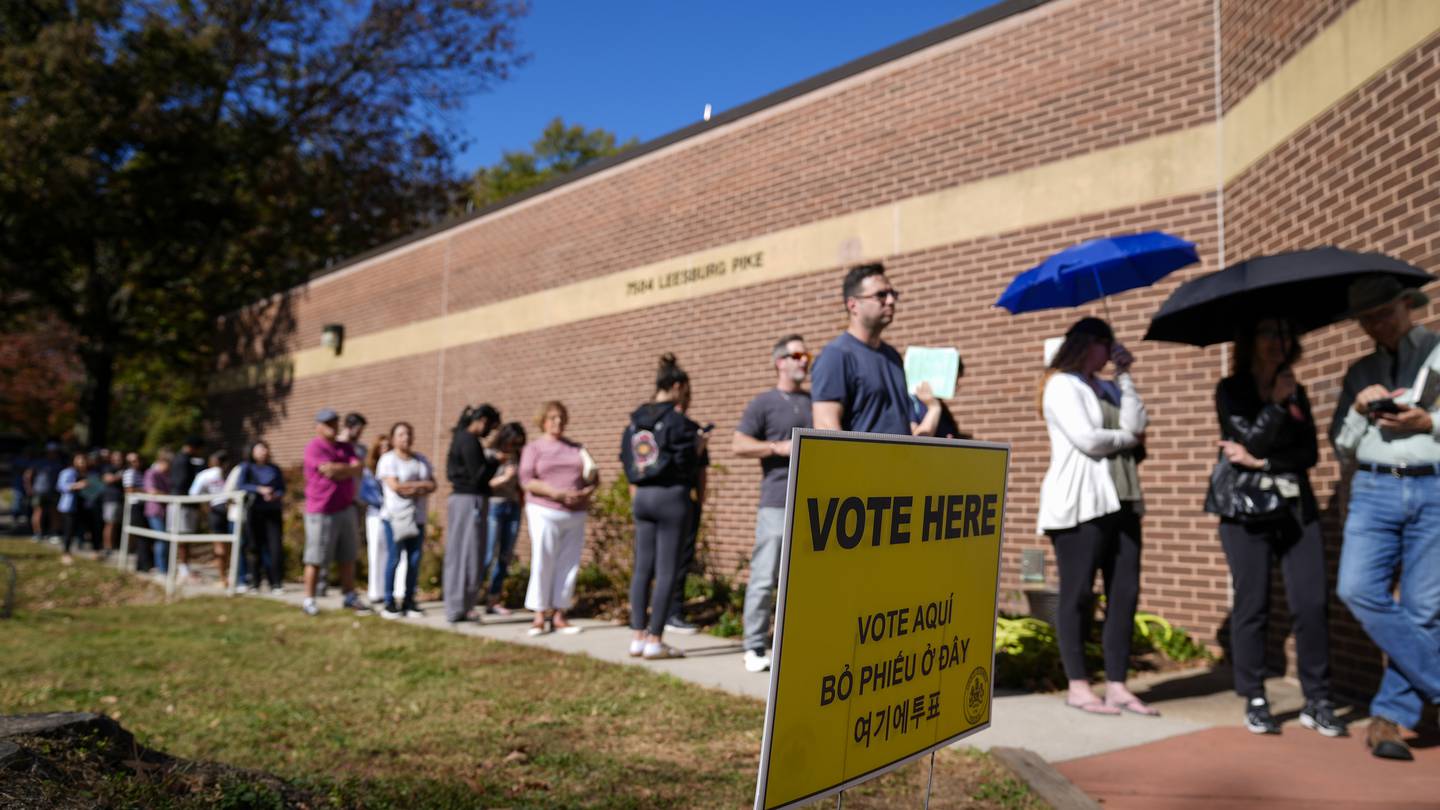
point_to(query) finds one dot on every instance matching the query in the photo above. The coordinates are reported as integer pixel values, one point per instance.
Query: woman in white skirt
(558, 477)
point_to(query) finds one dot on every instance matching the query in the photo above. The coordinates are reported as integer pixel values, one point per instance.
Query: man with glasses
(859, 379)
(1393, 525)
(764, 434)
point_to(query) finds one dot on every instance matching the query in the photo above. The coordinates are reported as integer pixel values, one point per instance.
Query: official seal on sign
(977, 694)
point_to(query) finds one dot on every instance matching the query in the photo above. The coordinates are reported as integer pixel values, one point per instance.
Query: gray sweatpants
(764, 571)
(464, 553)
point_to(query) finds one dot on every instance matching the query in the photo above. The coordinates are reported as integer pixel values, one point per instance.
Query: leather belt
(1402, 470)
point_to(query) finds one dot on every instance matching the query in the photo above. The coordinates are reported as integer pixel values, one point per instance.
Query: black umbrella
(1307, 286)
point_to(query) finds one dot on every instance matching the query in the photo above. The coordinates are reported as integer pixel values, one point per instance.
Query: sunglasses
(882, 295)
(798, 356)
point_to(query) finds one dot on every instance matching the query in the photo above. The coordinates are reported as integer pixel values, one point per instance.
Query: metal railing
(173, 506)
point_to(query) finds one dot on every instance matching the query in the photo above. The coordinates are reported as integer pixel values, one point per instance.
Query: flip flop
(1135, 706)
(1095, 707)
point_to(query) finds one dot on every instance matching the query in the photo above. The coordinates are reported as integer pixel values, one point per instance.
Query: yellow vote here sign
(885, 618)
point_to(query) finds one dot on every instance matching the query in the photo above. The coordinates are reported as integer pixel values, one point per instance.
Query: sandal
(1134, 706)
(1096, 706)
(657, 652)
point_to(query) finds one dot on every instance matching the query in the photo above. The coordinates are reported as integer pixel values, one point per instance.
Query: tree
(165, 163)
(558, 151)
(39, 380)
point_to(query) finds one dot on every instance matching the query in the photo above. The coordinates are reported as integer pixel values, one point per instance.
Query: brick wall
(1069, 78)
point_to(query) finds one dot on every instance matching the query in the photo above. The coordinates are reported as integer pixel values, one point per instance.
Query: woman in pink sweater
(559, 478)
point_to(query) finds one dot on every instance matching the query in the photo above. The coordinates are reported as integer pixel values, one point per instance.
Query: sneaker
(1383, 740)
(391, 612)
(321, 587)
(242, 588)
(355, 603)
(637, 647)
(756, 661)
(679, 625)
(1320, 715)
(1258, 718)
(656, 652)
(277, 591)
(310, 608)
(413, 611)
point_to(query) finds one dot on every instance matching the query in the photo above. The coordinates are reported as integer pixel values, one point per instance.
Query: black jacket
(1269, 432)
(466, 466)
(682, 440)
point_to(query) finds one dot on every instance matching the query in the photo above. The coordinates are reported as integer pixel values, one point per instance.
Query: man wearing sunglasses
(764, 434)
(859, 378)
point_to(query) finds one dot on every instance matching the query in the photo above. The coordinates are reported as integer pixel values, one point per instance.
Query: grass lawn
(379, 714)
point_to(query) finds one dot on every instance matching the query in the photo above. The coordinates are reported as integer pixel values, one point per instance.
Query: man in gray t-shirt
(764, 434)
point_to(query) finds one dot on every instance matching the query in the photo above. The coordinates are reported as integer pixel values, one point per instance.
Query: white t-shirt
(415, 468)
(210, 481)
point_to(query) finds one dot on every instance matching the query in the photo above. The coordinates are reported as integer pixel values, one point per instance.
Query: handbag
(402, 523)
(1247, 495)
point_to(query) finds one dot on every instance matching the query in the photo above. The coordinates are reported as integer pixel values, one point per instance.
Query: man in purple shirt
(331, 470)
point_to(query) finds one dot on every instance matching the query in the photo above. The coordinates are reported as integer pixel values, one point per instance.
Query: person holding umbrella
(1261, 492)
(1090, 505)
(1392, 436)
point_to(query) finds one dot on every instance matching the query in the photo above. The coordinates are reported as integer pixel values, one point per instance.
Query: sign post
(885, 615)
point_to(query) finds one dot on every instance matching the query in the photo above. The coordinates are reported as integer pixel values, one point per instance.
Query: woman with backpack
(660, 449)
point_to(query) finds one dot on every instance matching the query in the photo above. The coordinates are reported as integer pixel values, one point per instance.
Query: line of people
(1091, 503)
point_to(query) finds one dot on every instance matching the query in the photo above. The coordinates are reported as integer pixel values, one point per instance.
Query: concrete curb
(1045, 782)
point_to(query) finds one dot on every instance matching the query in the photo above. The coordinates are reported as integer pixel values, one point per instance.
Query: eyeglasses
(882, 295)
(803, 357)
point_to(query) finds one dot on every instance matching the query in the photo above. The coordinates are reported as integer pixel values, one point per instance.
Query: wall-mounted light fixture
(332, 337)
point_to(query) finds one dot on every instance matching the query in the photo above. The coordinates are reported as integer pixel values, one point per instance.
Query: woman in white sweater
(1090, 505)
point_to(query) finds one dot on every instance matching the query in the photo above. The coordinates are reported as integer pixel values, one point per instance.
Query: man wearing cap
(331, 533)
(1393, 523)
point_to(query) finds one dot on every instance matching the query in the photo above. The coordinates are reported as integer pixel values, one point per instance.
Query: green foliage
(1155, 633)
(165, 164)
(1026, 654)
(559, 150)
(1007, 792)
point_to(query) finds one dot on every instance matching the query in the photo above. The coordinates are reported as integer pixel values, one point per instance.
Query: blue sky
(646, 67)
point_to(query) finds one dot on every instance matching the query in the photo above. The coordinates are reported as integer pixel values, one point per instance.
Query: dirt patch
(85, 761)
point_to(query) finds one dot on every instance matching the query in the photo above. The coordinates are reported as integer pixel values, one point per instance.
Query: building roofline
(967, 24)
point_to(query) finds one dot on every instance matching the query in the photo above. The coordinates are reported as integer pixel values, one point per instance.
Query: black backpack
(652, 446)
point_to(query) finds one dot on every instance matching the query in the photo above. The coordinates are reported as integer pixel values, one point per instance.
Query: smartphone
(1384, 406)
(709, 426)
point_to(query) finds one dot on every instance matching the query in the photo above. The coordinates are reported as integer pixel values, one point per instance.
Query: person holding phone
(1268, 512)
(1090, 505)
(1393, 522)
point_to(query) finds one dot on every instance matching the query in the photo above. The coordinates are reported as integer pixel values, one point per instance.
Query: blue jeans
(162, 547)
(504, 528)
(1394, 523)
(393, 548)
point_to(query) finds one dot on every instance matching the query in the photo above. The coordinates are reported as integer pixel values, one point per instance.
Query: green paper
(937, 366)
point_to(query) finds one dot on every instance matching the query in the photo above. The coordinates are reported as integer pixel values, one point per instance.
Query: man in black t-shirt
(764, 434)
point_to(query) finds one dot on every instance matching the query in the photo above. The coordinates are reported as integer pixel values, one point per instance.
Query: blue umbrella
(1095, 269)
